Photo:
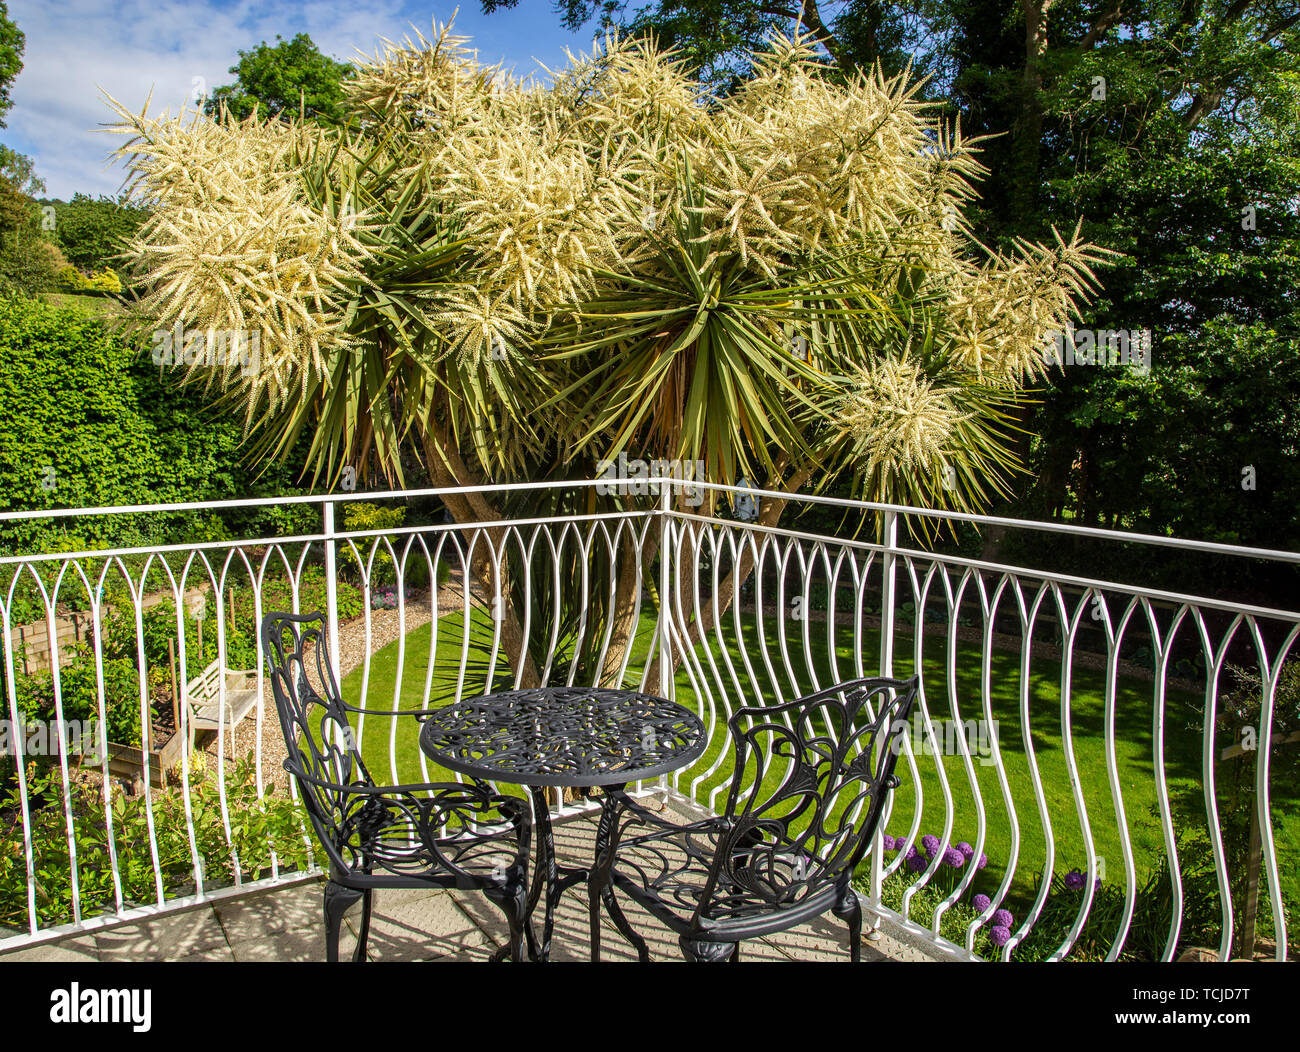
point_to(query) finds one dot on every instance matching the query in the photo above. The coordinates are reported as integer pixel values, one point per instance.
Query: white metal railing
(1064, 729)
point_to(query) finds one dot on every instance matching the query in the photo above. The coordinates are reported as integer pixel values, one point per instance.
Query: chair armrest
(389, 712)
(644, 816)
(406, 788)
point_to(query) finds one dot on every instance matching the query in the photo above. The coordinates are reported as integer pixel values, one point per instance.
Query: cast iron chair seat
(395, 827)
(809, 782)
(433, 834)
(670, 870)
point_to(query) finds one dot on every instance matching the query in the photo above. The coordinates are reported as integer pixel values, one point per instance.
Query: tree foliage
(659, 276)
(92, 232)
(88, 423)
(289, 77)
(19, 171)
(12, 42)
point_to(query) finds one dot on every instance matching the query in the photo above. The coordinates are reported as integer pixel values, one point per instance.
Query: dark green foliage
(93, 231)
(290, 74)
(12, 42)
(257, 829)
(1159, 126)
(89, 422)
(1212, 258)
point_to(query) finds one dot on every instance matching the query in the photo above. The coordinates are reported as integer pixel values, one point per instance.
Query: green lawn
(390, 747)
(102, 306)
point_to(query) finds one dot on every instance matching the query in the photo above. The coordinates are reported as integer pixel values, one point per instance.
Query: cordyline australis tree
(524, 280)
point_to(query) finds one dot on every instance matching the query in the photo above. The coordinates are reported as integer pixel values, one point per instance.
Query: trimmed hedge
(88, 420)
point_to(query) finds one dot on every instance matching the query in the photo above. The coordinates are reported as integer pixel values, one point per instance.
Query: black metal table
(561, 737)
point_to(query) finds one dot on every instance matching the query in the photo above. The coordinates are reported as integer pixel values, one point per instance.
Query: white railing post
(888, 574)
(887, 570)
(665, 583)
(331, 585)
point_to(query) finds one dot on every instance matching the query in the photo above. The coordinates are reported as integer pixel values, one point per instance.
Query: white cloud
(129, 47)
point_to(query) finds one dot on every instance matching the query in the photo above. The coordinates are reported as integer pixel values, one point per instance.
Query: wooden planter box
(127, 761)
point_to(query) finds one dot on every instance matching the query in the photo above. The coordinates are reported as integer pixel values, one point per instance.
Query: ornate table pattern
(571, 737)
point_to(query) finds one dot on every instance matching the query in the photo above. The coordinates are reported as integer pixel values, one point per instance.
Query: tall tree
(12, 42)
(280, 80)
(531, 282)
(93, 231)
(19, 171)
(718, 38)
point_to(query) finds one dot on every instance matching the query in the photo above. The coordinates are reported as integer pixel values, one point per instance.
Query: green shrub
(69, 277)
(90, 421)
(258, 828)
(104, 281)
(78, 685)
(92, 231)
(383, 568)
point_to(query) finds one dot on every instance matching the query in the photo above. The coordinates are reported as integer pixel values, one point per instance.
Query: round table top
(563, 736)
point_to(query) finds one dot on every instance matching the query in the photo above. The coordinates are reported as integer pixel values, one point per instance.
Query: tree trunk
(626, 610)
(697, 632)
(1029, 126)
(447, 469)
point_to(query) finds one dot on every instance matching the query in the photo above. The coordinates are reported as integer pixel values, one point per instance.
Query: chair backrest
(317, 733)
(206, 683)
(810, 779)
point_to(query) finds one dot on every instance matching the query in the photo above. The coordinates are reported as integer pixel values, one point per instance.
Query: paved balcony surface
(286, 924)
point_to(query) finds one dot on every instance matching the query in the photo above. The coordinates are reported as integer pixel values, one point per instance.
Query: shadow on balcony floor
(285, 924)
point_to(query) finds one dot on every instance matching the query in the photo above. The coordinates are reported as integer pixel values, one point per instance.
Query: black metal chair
(810, 779)
(437, 834)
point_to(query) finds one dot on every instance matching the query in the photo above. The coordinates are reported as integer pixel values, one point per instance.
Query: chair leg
(696, 950)
(513, 902)
(338, 899)
(516, 938)
(849, 910)
(363, 936)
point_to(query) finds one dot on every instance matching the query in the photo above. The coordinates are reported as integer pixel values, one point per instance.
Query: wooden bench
(203, 696)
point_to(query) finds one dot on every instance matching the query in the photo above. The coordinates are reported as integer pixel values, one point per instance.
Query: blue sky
(126, 47)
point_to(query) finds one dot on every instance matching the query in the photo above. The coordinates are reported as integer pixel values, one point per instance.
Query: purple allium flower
(1003, 919)
(917, 862)
(981, 902)
(984, 861)
(887, 842)
(930, 843)
(1074, 879)
(911, 853)
(966, 850)
(999, 935)
(1097, 887)
(954, 858)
